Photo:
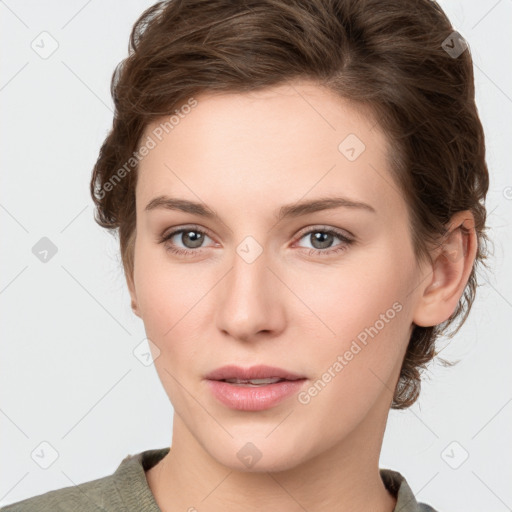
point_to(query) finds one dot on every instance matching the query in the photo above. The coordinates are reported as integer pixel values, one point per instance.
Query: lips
(253, 389)
(237, 373)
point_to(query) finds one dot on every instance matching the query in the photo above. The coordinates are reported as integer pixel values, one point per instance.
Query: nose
(250, 303)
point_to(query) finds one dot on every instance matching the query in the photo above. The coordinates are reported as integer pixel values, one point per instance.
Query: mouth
(253, 389)
(254, 382)
(255, 375)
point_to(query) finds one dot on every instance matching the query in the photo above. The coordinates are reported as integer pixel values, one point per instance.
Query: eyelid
(343, 233)
(185, 227)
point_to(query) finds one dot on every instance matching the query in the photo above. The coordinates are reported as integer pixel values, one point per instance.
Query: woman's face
(326, 294)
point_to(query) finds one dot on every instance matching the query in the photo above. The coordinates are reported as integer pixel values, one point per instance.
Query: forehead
(293, 109)
(295, 139)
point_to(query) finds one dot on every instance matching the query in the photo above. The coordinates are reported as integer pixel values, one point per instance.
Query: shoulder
(91, 496)
(125, 489)
(398, 486)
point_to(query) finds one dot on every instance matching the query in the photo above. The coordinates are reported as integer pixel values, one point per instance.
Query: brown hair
(388, 55)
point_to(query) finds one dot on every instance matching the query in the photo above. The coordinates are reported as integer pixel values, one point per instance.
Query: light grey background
(68, 375)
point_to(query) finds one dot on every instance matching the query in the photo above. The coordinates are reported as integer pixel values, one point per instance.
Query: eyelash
(312, 252)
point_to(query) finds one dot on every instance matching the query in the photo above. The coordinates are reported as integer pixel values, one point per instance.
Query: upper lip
(254, 372)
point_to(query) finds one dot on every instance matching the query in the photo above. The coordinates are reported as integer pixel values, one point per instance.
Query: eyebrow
(287, 211)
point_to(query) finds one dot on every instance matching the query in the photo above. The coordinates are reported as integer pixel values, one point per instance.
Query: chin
(259, 455)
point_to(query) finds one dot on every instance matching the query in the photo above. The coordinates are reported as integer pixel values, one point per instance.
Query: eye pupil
(195, 238)
(325, 239)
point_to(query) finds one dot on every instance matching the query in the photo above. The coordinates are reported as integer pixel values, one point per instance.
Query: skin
(245, 156)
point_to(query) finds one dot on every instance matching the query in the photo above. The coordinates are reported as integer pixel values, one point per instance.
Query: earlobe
(133, 296)
(135, 308)
(451, 267)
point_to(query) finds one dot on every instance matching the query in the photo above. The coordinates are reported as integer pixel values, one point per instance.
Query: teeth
(255, 382)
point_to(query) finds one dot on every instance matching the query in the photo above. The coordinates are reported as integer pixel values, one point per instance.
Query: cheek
(354, 294)
(359, 366)
(172, 301)
(364, 308)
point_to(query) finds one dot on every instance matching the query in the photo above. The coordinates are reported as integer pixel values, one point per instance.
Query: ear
(449, 273)
(133, 295)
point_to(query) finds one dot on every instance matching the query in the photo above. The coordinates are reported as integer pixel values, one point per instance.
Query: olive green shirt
(127, 490)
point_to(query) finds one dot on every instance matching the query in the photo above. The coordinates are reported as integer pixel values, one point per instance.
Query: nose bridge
(249, 303)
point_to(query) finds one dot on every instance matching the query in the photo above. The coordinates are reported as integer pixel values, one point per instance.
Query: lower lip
(252, 398)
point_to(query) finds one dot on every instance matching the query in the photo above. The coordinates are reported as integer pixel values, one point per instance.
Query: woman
(298, 189)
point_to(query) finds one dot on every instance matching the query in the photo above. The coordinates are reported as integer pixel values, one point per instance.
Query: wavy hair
(391, 56)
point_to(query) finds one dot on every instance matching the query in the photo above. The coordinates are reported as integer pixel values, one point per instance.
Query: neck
(343, 478)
